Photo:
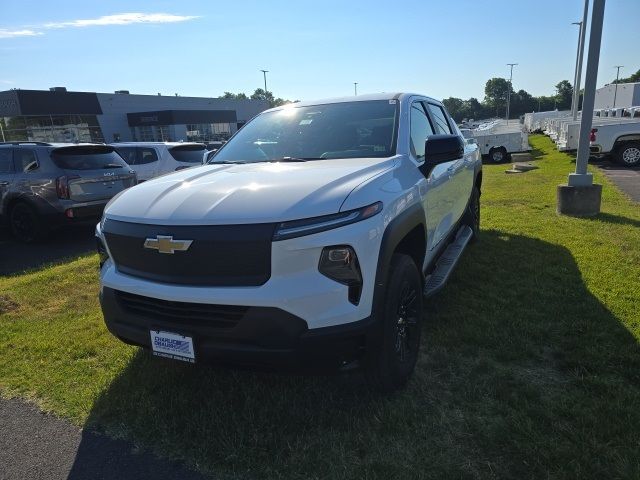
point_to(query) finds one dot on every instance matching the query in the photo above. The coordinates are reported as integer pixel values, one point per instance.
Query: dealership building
(57, 115)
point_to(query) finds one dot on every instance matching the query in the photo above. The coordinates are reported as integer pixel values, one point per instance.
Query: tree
(455, 107)
(234, 96)
(495, 94)
(635, 77)
(565, 94)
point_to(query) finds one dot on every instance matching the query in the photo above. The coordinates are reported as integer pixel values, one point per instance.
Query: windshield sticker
(306, 121)
(392, 102)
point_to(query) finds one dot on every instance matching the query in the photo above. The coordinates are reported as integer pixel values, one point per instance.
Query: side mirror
(441, 149)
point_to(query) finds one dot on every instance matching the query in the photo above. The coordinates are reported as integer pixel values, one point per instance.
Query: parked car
(151, 159)
(309, 239)
(44, 185)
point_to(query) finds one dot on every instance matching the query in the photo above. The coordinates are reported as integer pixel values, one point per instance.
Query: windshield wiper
(112, 165)
(226, 162)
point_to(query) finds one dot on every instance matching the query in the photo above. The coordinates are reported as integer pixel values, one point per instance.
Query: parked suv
(311, 237)
(44, 185)
(151, 159)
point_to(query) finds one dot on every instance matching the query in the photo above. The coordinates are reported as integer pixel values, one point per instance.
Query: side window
(420, 130)
(439, 119)
(24, 159)
(147, 155)
(128, 155)
(6, 163)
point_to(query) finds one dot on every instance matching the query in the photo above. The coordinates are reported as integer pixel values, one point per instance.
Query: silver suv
(44, 185)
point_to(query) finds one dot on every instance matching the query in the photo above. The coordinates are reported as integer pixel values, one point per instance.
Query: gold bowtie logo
(166, 244)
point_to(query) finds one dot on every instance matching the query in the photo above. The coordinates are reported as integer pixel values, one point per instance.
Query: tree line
(495, 100)
(258, 94)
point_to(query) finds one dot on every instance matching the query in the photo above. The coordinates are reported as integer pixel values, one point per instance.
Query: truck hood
(246, 193)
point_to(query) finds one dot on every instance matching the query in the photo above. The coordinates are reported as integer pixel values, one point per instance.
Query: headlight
(340, 263)
(299, 228)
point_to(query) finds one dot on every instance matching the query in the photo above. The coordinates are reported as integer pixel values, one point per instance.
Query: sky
(312, 49)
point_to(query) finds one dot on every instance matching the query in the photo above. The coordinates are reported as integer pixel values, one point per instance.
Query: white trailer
(497, 139)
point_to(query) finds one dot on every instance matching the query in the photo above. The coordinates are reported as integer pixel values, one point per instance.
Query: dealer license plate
(172, 345)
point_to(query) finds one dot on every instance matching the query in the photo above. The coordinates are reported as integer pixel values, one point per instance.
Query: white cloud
(18, 33)
(123, 19)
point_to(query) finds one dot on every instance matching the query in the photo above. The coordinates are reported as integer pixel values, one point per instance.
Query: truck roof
(358, 98)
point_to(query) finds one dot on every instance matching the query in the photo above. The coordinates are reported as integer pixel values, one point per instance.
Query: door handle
(4, 184)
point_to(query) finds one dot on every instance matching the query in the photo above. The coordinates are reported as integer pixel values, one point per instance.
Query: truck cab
(310, 238)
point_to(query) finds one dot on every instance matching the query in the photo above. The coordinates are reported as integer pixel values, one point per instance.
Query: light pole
(264, 73)
(615, 92)
(576, 84)
(580, 196)
(509, 91)
(355, 88)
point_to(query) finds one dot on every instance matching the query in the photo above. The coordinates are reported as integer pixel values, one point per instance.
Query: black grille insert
(220, 316)
(219, 255)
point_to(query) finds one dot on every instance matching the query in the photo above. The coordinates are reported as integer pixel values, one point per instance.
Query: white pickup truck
(620, 140)
(310, 237)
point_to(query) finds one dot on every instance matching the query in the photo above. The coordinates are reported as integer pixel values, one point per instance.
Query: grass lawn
(530, 366)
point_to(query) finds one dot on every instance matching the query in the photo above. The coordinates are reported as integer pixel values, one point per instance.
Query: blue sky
(312, 49)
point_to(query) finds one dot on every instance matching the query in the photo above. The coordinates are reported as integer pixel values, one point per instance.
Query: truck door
(458, 189)
(433, 189)
(7, 174)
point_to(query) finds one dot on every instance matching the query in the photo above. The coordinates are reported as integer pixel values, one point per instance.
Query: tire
(472, 213)
(392, 362)
(498, 155)
(26, 225)
(628, 154)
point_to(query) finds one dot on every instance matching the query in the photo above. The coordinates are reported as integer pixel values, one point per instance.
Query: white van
(150, 159)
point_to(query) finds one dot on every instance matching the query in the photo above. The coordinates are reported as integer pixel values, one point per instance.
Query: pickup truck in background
(310, 238)
(621, 140)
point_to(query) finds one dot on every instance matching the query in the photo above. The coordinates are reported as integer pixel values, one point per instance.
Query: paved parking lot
(16, 257)
(37, 446)
(627, 179)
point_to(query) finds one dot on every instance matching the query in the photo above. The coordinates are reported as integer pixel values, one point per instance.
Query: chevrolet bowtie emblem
(166, 244)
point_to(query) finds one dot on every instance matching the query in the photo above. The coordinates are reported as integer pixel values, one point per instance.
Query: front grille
(182, 313)
(219, 255)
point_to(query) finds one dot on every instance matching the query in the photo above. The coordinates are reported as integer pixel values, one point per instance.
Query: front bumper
(257, 336)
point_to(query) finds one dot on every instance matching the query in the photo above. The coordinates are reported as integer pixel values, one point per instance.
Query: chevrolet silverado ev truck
(310, 238)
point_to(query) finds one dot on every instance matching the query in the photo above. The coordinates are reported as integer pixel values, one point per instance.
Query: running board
(447, 262)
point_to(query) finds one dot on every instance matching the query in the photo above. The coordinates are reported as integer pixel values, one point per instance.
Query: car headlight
(299, 228)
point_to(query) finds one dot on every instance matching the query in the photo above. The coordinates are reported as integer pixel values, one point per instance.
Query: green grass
(530, 366)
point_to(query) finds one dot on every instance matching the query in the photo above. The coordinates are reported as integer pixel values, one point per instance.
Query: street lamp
(264, 73)
(580, 196)
(615, 92)
(355, 88)
(509, 91)
(575, 101)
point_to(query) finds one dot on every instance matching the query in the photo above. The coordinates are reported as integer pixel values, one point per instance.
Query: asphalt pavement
(626, 179)
(38, 446)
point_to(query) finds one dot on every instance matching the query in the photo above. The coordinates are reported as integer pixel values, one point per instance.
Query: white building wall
(628, 96)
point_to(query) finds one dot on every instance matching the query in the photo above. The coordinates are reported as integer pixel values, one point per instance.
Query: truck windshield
(330, 131)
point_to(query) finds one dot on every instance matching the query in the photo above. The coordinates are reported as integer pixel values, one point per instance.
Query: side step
(447, 262)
